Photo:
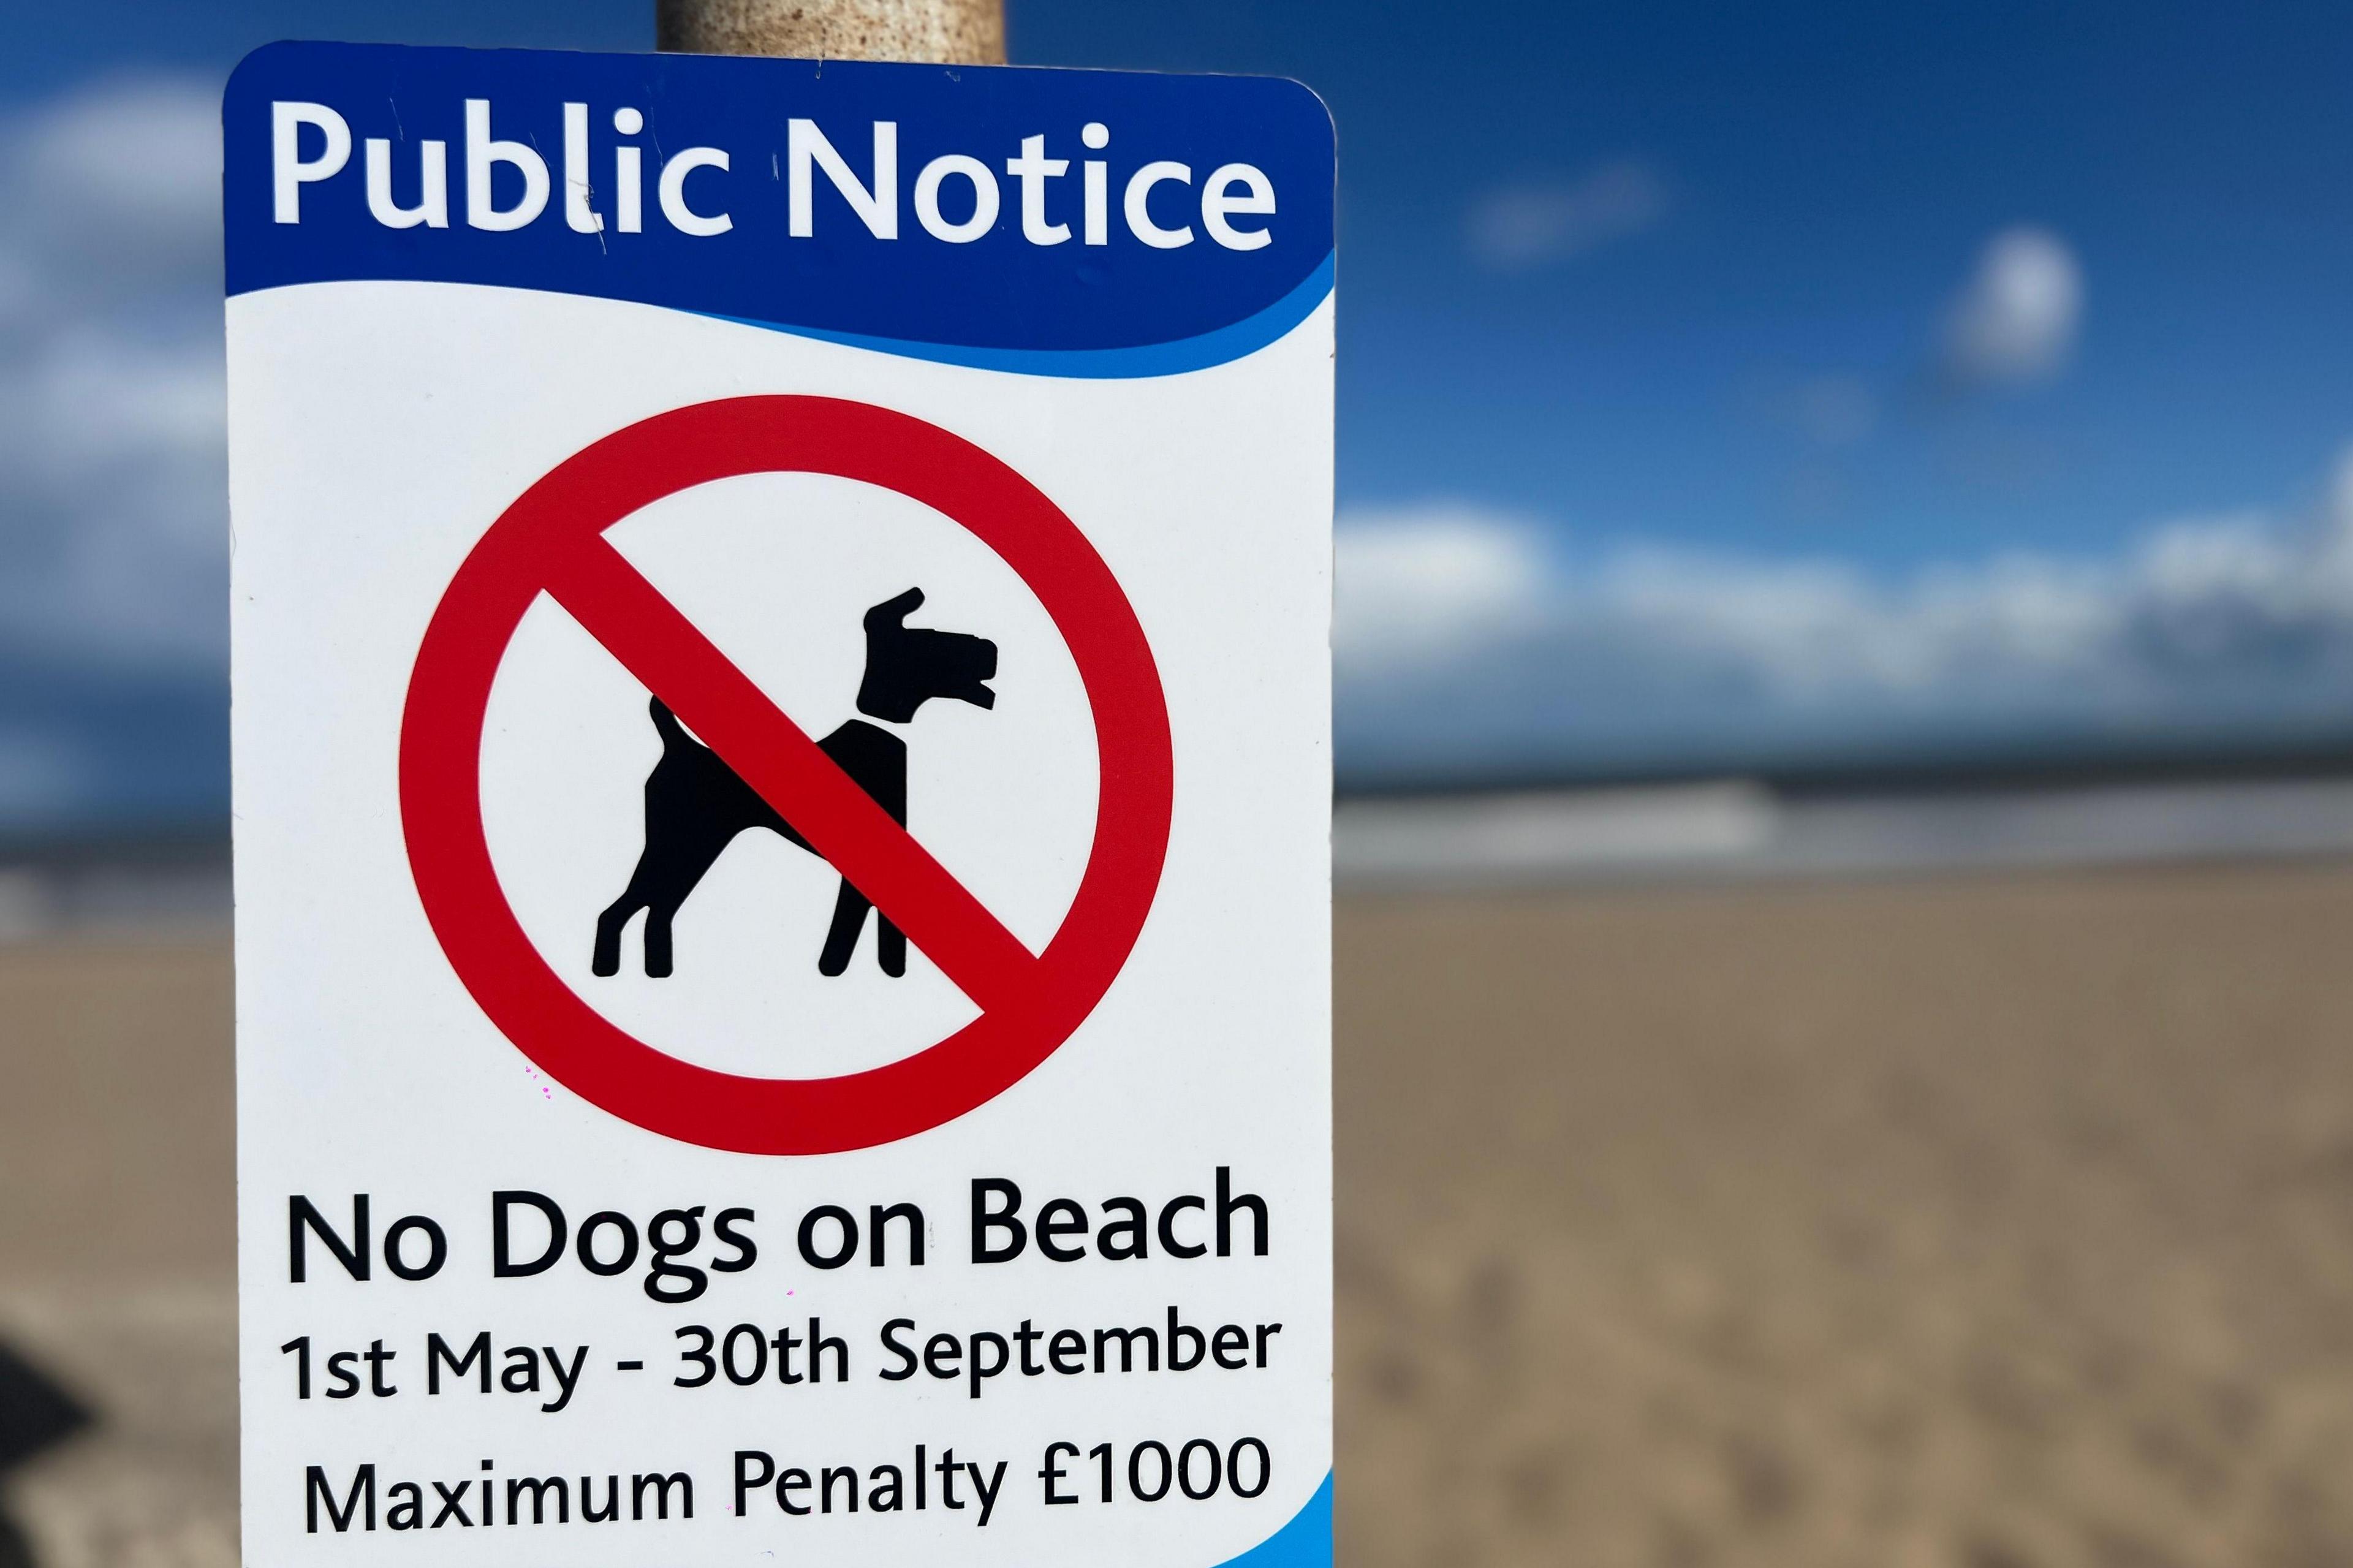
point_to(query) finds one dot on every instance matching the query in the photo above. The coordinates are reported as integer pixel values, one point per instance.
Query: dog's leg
(608, 958)
(849, 907)
(889, 946)
(657, 941)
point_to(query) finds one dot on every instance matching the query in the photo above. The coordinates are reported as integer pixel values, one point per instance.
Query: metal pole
(950, 32)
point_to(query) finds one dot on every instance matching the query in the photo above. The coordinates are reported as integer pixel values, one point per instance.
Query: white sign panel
(782, 793)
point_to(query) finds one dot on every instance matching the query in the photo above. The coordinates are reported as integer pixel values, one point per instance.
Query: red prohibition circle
(551, 541)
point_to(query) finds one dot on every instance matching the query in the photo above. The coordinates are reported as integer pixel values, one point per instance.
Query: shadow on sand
(36, 1415)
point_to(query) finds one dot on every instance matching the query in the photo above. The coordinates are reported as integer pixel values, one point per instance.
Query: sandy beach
(2000, 1222)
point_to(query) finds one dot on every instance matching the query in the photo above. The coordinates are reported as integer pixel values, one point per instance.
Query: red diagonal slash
(882, 860)
(548, 542)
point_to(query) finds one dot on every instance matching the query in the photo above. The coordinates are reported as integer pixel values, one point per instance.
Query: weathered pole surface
(951, 32)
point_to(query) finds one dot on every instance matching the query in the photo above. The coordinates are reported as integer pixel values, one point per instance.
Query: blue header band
(1059, 222)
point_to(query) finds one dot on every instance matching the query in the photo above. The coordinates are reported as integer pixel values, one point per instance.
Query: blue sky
(1722, 387)
(1827, 176)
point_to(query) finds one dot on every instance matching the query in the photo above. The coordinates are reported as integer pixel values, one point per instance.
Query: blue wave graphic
(1304, 1542)
(1244, 337)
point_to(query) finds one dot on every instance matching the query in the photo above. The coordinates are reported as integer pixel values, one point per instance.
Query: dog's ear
(893, 612)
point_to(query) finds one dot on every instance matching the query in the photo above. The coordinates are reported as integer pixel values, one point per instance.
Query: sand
(117, 1238)
(1995, 1223)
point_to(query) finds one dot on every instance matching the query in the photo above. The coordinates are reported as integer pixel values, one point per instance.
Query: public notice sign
(782, 778)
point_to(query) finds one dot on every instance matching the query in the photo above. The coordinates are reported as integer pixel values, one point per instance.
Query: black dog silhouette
(696, 804)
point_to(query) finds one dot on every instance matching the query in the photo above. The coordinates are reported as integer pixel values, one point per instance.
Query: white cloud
(1518, 227)
(1416, 583)
(2016, 319)
(1642, 654)
(114, 533)
(137, 154)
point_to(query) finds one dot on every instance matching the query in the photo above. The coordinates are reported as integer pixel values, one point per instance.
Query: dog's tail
(673, 733)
